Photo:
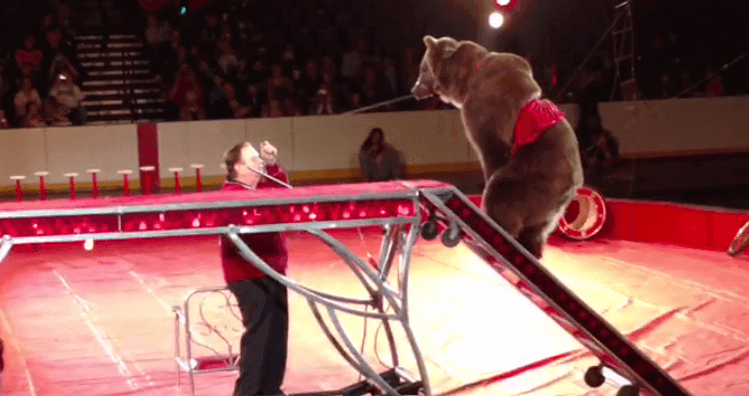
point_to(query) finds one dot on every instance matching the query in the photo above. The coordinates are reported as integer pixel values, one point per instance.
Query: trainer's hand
(268, 153)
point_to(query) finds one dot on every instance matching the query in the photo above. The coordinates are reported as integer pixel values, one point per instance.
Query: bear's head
(446, 68)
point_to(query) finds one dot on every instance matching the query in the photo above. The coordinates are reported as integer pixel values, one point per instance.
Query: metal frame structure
(623, 45)
(397, 207)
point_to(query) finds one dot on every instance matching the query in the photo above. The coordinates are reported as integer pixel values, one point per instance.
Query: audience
(237, 62)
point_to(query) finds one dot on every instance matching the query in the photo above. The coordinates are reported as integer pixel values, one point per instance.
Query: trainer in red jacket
(262, 300)
(271, 247)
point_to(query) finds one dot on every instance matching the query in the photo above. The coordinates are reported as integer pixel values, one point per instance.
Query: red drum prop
(585, 216)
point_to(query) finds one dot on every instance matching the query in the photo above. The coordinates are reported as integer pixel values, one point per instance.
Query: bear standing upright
(527, 149)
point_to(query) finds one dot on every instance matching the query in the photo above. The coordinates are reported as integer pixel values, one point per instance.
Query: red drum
(585, 215)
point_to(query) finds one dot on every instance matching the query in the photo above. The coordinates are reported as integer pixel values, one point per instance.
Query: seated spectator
(70, 97)
(27, 94)
(715, 85)
(4, 123)
(273, 109)
(290, 107)
(227, 59)
(599, 145)
(152, 34)
(254, 101)
(192, 108)
(378, 160)
(278, 83)
(372, 89)
(324, 102)
(185, 81)
(54, 113)
(32, 118)
(239, 110)
(29, 58)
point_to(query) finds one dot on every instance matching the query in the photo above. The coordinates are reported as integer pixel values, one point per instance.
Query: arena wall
(323, 149)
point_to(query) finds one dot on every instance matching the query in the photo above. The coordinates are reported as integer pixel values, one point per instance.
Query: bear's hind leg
(502, 201)
(533, 239)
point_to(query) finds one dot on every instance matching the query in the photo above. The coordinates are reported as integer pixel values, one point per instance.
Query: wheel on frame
(594, 376)
(628, 390)
(429, 230)
(452, 236)
(740, 241)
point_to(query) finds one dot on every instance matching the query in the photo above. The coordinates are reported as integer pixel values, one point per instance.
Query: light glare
(503, 2)
(496, 20)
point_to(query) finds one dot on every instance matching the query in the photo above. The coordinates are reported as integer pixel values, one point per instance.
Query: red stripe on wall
(148, 152)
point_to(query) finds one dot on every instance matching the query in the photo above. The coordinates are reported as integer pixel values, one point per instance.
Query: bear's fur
(527, 187)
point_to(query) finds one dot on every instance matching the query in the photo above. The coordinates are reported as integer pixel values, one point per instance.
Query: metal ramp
(452, 214)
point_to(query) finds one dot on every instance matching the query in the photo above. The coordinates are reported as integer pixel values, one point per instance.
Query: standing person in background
(378, 160)
(262, 300)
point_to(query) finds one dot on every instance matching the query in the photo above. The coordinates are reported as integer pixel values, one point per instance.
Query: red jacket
(271, 247)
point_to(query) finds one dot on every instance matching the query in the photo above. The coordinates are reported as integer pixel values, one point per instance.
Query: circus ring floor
(81, 323)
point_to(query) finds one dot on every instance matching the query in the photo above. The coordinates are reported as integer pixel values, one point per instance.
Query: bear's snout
(421, 91)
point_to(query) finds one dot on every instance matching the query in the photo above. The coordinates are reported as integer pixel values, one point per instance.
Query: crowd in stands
(242, 64)
(39, 77)
(287, 58)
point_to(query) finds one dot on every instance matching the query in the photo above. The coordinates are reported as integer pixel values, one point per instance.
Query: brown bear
(527, 149)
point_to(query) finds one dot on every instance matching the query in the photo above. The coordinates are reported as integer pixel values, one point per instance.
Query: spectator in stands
(29, 58)
(715, 85)
(600, 145)
(353, 61)
(372, 89)
(378, 160)
(27, 94)
(4, 123)
(290, 107)
(153, 39)
(238, 110)
(185, 81)
(192, 108)
(70, 97)
(273, 109)
(308, 83)
(254, 101)
(54, 113)
(324, 102)
(262, 300)
(409, 70)
(278, 84)
(32, 118)
(218, 104)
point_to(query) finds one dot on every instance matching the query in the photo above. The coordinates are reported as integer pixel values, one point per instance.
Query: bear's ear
(430, 42)
(449, 49)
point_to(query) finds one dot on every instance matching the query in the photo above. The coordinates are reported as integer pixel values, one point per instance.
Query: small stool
(176, 171)
(146, 184)
(125, 181)
(19, 191)
(198, 181)
(93, 173)
(42, 187)
(71, 176)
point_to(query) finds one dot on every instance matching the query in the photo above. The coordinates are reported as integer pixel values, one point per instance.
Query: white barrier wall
(320, 145)
(679, 127)
(68, 150)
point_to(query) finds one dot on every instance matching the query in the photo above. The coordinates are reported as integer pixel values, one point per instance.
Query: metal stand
(395, 250)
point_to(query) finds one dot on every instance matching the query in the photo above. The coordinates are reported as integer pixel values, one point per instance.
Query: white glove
(268, 153)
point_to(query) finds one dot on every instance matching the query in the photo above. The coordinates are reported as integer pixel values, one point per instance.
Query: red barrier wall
(660, 222)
